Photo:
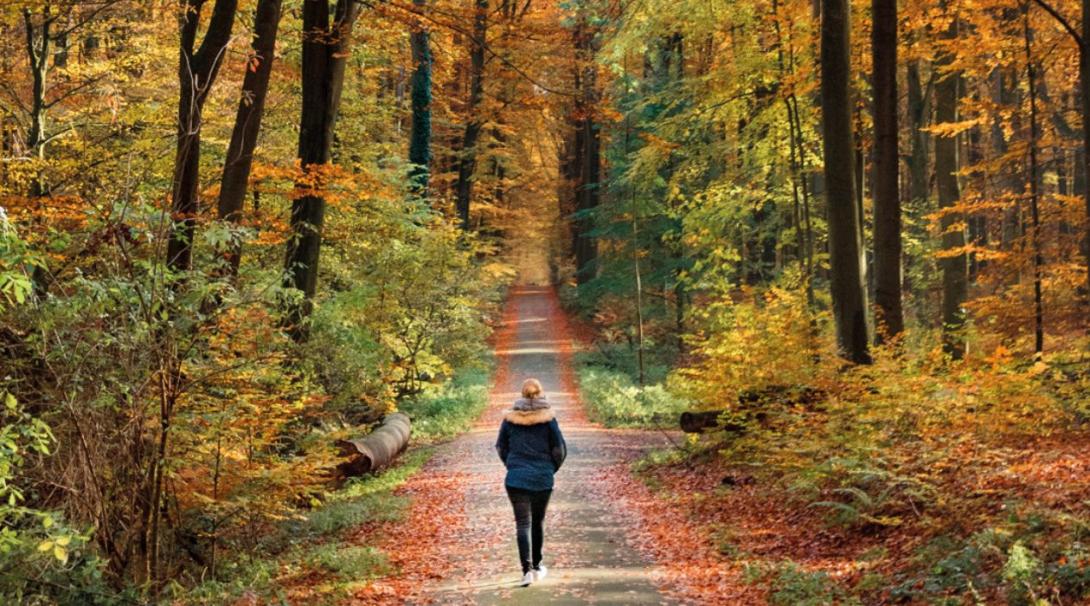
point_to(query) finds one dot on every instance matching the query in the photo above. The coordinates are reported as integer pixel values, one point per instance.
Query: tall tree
(588, 139)
(325, 52)
(887, 202)
(954, 265)
(420, 137)
(1034, 186)
(467, 163)
(251, 106)
(845, 248)
(919, 101)
(1082, 41)
(197, 70)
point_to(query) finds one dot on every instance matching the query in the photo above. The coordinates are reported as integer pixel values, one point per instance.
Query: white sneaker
(541, 572)
(527, 579)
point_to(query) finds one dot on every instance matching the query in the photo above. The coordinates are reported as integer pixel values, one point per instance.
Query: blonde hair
(531, 388)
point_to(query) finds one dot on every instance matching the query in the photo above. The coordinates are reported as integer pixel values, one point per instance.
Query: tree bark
(325, 53)
(420, 137)
(955, 270)
(1034, 188)
(587, 193)
(197, 72)
(919, 185)
(377, 449)
(251, 106)
(1084, 94)
(887, 201)
(467, 163)
(845, 248)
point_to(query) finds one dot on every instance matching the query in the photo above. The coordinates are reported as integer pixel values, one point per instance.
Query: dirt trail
(459, 504)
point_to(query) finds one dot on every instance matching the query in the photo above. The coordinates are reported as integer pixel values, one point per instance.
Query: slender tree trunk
(467, 164)
(325, 53)
(955, 270)
(197, 72)
(1034, 188)
(37, 51)
(420, 137)
(845, 248)
(1084, 94)
(887, 200)
(1082, 40)
(251, 106)
(37, 48)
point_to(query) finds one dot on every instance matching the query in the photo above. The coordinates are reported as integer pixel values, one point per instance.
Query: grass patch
(350, 563)
(792, 586)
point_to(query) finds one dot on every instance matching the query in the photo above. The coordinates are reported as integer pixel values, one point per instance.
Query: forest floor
(456, 543)
(634, 520)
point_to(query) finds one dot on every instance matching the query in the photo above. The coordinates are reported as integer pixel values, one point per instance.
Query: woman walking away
(532, 448)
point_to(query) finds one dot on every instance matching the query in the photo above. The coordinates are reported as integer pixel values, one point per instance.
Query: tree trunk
(919, 186)
(955, 271)
(325, 53)
(1084, 94)
(467, 163)
(587, 193)
(377, 449)
(845, 249)
(37, 48)
(1034, 189)
(255, 87)
(887, 201)
(420, 137)
(197, 72)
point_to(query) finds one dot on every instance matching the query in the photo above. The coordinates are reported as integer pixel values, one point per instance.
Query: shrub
(448, 409)
(612, 398)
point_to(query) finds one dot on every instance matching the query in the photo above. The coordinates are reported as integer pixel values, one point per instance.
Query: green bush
(614, 400)
(858, 492)
(449, 409)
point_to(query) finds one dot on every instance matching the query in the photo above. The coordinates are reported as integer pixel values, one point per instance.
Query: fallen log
(750, 403)
(696, 422)
(377, 449)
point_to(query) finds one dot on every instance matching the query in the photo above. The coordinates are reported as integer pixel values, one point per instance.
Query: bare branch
(1048, 8)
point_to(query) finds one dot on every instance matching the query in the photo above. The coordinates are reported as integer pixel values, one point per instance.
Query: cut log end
(377, 449)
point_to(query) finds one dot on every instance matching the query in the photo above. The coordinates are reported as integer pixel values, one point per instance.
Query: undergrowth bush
(614, 400)
(288, 547)
(790, 585)
(1030, 557)
(448, 409)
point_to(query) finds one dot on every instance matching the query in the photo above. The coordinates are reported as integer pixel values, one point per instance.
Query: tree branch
(1048, 8)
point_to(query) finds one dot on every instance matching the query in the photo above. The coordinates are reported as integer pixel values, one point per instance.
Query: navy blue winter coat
(531, 447)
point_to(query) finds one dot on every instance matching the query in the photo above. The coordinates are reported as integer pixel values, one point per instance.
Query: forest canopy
(233, 232)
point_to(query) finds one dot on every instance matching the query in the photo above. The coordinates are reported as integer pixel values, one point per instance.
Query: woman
(532, 448)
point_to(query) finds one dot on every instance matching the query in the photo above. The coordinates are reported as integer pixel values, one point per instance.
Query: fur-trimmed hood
(529, 417)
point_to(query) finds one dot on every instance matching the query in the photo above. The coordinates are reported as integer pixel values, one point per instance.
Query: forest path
(461, 513)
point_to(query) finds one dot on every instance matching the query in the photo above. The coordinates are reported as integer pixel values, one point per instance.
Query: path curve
(459, 504)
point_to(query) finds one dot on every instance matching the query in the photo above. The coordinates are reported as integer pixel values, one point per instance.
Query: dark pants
(529, 506)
